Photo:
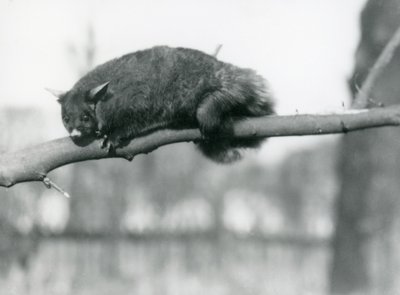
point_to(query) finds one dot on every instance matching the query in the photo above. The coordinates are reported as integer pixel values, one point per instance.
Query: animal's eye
(85, 118)
(66, 119)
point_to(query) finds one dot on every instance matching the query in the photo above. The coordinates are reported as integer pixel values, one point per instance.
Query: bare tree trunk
(364, 256)
(349, 270)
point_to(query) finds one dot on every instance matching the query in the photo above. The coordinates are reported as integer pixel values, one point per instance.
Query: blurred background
(305, 215)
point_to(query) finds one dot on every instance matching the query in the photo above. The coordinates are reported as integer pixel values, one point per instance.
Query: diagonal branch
(33, 164)
(361, 99)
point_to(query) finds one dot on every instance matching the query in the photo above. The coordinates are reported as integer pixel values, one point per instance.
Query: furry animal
(165, 87)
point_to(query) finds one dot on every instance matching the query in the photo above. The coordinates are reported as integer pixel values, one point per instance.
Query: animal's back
(160, 81)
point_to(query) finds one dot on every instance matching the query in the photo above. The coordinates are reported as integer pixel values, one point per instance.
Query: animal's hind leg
(216, 127)
(212, 116)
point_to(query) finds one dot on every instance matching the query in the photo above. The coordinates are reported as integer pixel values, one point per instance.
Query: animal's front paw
(111, 143)
(104, 142)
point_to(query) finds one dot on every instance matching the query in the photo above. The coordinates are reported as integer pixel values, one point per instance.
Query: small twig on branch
(363, 95)
(50, 184)
(217, 50)
(33, 164)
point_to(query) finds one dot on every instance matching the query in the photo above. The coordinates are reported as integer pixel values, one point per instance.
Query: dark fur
(166, 87)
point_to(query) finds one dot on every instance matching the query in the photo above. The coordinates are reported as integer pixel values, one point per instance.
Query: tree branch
(361, 99)
(33, 164)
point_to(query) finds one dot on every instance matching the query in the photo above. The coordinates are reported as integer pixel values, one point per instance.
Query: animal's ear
(98, 92)
(57, 93)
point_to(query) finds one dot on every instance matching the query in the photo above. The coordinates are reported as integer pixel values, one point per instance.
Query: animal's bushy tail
(243, 94)
(227, 151)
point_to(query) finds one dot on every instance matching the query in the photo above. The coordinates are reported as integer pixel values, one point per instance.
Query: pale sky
(304, 48)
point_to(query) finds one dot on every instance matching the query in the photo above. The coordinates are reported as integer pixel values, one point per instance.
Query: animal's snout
(76, 133)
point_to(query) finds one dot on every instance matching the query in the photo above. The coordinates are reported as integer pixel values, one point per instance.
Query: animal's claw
(104, 142)
(110, 143)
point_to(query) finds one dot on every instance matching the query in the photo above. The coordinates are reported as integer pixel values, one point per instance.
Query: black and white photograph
(186, 147)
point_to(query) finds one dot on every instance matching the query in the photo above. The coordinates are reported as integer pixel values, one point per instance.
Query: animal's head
(78, 110)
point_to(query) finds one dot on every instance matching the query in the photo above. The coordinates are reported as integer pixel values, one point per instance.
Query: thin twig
(362, 97)
(217, 50)
(50, 184)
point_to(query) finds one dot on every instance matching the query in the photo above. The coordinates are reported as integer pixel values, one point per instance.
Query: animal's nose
(75, 133)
